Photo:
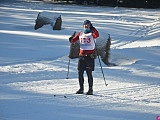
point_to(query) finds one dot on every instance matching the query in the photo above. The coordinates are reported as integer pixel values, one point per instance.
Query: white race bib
(87, 41)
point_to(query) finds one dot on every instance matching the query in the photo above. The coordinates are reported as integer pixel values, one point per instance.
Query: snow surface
(34, 64)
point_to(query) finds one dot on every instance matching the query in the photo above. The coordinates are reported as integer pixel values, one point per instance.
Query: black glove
(70, 39)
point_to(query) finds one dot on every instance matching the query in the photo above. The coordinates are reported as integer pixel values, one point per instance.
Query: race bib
(86, 41)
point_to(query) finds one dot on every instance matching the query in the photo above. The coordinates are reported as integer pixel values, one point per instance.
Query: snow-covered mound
(45, 18)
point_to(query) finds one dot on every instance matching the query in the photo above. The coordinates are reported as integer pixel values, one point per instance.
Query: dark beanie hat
(86, 22)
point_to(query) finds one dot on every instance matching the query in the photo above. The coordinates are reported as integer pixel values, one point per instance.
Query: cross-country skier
(86, 55)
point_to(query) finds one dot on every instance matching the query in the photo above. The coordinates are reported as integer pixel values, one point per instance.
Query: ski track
(142, 30)
(117, 95)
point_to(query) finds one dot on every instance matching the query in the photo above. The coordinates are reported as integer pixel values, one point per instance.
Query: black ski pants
(85, 63)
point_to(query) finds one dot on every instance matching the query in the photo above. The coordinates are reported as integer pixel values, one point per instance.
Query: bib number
(85, 40)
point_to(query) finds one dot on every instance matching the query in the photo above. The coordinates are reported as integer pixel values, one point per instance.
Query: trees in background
(121, 3)
(139, 3)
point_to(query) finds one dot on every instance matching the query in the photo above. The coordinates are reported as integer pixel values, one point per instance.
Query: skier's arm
(95, 33)
(75, 38)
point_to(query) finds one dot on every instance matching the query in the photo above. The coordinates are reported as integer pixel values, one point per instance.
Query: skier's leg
(89, 69)
(81, 78)
(90, 81)
(80, 75)
(90, 77)
(81, 82)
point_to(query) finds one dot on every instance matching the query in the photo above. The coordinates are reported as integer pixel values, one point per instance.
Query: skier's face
(86, 26)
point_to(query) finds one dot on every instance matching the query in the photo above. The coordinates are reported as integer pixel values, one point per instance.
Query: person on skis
(87, 54)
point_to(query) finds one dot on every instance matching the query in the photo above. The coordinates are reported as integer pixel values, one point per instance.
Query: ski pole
(102, 70)
(100, 62)
(69, 58)
(68, 69)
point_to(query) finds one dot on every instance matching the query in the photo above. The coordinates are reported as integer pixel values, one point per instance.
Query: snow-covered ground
(34, 64)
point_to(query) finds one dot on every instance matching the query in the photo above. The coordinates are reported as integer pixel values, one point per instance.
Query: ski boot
(90, 91)
(80, 91)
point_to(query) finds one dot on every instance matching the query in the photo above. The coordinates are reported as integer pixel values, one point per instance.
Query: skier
(86, 55)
